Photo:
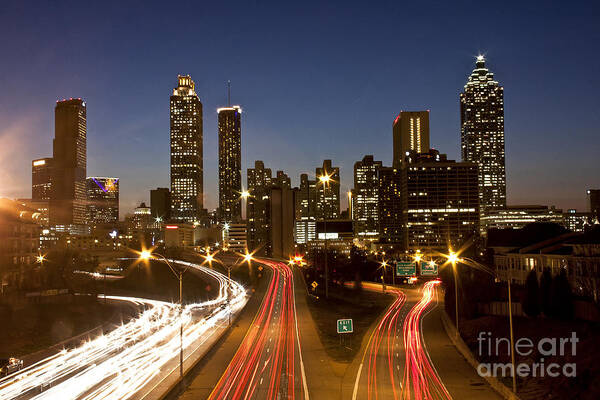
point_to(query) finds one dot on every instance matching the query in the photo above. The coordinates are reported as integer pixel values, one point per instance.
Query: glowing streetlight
(146, 255)
(248, 257)
(245, 194)
(40, 259)
(452, 257)
(325, 178)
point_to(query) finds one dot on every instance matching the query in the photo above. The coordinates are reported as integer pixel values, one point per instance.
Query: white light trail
(117, 365)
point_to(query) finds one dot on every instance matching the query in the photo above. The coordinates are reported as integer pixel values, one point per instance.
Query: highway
(268, 364)
(395, 363)
(133, 359)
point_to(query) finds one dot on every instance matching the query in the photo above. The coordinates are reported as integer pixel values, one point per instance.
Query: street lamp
(384, 265)
(247, 257)
(325, 179)
(453, 258)
(40, 259)
(146, 255)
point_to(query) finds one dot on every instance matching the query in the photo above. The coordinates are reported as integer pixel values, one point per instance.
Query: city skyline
(553, 176)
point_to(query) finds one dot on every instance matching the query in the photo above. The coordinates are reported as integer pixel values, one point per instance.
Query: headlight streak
(264, 365)
(419, 373)
(120, 363)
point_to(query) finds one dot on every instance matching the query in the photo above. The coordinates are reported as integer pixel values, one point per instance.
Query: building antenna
(228, 93)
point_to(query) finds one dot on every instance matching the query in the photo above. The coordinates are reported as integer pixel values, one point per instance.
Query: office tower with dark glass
(68, 199)
(411, 133)
(328, 193)
(260, 181)
(482, 134)
(160, 203)
(390, 205)
(103, 200)
(365, 199)
(593, 197)
(230, 163)
(41, 179)
(186, 152)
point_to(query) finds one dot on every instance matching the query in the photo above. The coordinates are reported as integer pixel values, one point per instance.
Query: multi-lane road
(133, 359)
(136, 359)
(268, 364)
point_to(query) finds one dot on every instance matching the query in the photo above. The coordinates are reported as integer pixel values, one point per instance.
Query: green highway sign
(406, 268)
(429, 269)
(344, 326)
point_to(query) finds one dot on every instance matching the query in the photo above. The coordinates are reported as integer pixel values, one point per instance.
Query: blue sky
(315, 79)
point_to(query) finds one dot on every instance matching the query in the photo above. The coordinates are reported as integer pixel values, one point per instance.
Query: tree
(531, 302)
(546, 293)
(562, 295)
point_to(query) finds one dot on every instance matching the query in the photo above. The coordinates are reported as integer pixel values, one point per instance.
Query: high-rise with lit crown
(186, 152)
(230, 163)
(68, 199)
(482, 134)
(411, 133)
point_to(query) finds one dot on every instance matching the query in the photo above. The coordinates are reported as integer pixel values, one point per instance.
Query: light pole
(325, 179)
(453, 258)
(384, 266)
(147, 255)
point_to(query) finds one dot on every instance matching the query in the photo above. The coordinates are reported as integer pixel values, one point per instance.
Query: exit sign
(344, 326)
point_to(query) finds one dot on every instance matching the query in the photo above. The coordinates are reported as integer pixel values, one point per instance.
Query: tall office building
(41, 179)
(260, 181)
(482, 134)
(390, 205)
(160, 203)
(593, 196)
(365, 198)
(103, 200)
(306, 200)
(411, 133)
(328, 194)
(230, 163)
(69, 195)
(187, 188)
(282, 180)
(440, 202)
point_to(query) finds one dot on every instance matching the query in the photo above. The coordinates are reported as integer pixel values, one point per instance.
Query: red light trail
(265, 365)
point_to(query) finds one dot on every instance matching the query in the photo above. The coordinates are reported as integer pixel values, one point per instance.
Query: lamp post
(147, 255)
(325, 179)
(453, 258)
(384, 266)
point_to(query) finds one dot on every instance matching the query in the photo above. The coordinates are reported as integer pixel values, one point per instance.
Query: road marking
(355, 392)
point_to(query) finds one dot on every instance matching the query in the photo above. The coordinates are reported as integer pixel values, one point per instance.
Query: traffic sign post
(406, 268)
(429, 269)
(345, 326)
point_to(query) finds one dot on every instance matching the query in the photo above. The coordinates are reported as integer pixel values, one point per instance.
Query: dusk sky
(315, 80)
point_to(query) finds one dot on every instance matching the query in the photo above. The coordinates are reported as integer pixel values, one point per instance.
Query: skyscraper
(390, 205)
(365, 198)
(230, 163)
(103, 200)
(593, 196)
(68, 200)
(186, 152)
(306, 200)
(160, 203)
(41, 179)
(328, 193)
(440, 204)
(411, 132)
(260, 181)
(482, 134)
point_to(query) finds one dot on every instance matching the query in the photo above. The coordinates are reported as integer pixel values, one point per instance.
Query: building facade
(327, 193)
(103, 200)
(160, 203)
(577, 221)
(259, 181)
(411, 133)
(517, 216)
(69, 195)
(187, 188)
(482, 134)
(230, 163)
(593, 196)
(365, 199)
(440, 202)
(41, 179)
(390, 205)
(306, 201)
